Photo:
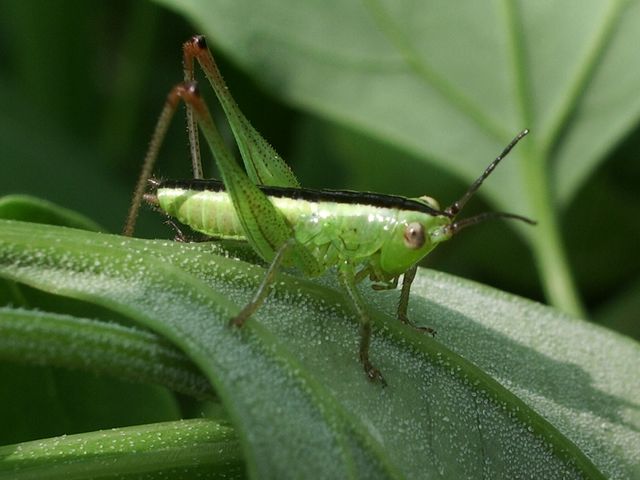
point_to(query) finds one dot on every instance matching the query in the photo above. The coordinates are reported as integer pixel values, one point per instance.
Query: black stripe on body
(350, 197)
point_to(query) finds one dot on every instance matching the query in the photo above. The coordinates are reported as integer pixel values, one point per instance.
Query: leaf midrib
(429, 76)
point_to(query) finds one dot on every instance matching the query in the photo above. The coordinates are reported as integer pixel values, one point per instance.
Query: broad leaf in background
(452, 82)
(296, 393)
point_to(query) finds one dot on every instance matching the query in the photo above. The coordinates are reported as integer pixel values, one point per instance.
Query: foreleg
(403, 304)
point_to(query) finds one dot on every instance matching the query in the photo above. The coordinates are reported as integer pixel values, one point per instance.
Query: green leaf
(177, 450)
(452, 82)
(40, 338)
(31, 209)
(298, 397)
(40, 402)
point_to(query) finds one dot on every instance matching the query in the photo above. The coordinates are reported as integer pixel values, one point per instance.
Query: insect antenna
(455, 227)
(455, 207)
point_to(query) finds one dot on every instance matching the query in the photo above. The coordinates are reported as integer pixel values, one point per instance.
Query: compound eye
(414, 235)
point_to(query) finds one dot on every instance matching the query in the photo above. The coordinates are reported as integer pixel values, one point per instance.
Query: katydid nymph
(361, 234)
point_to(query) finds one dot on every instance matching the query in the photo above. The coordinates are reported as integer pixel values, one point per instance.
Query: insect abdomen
(208, 212)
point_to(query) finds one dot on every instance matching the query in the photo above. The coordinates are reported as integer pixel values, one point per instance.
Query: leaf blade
(39, 338)
(284, 349)
(180, 449)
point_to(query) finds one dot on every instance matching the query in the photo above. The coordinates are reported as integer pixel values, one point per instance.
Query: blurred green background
(82, 83)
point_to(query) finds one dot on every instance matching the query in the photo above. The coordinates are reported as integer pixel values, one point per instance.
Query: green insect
(361, 234)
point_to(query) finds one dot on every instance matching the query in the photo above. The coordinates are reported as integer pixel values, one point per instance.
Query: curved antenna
(455, 227)
(455, 207)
